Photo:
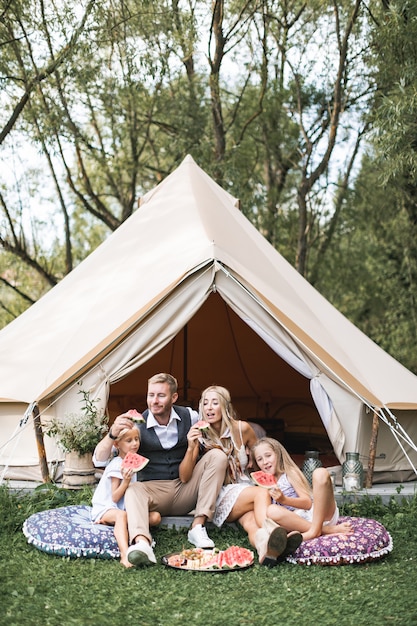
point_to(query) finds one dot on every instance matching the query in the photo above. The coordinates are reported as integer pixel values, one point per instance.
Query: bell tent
(188, 285)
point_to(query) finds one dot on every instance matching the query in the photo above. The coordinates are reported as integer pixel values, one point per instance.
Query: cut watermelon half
(202, 424)
(135, 462)
(263, 479)
(135, 416)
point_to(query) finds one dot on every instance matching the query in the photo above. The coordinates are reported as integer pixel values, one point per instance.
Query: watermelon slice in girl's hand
(135, 416)
(202, 424)
(263, 479)
(134, 461)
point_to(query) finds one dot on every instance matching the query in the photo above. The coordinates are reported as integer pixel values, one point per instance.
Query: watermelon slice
(233, 557)
(134, 461)
(202, 424)
(135, 416)
(263, 479)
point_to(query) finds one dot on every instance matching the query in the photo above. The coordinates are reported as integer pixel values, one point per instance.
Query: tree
(375, 264)
(262, 93)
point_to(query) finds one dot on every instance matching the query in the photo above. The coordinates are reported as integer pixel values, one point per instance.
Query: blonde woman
(239, 500)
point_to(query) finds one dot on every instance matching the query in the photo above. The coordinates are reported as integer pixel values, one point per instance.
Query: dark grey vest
(163, 464)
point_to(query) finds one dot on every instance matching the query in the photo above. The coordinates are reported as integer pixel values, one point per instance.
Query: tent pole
(372, 450)
(185, 363)
(41, 445)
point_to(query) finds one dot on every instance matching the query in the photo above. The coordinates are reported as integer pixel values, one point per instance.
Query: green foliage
(136, 94)
(395, 42)
(57, 591)
(16, 506)
(80, 432)
(371, 273)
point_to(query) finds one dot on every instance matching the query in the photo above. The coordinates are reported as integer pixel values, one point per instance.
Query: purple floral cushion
(369, 542)
(69, 531)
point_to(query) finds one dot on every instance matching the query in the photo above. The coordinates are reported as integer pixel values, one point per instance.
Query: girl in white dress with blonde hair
(108, 505)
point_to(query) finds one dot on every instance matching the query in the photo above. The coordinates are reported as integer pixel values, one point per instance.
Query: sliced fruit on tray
(263, 479)
(233, 558)
(134, 461)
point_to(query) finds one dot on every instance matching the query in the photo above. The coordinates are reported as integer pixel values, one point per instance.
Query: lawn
(40, 589)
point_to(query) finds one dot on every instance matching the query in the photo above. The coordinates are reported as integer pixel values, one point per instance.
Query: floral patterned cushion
(69, 531)
(369, 542)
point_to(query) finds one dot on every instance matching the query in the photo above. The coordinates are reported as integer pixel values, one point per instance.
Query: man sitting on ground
(163, 440)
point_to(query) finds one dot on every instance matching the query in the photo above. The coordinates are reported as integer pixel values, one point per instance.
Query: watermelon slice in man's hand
(263, 479)
(135, 416)
(135, 462)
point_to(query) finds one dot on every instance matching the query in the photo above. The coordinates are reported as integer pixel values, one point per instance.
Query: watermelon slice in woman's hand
(135, 416)
(135, 462)
(202, 424)
(263, 479)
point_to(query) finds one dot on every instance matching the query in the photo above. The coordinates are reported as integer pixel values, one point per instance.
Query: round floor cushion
(69, 531)
(370, 541)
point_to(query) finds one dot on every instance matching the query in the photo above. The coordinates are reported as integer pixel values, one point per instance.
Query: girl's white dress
(230, 493)
(102, 498)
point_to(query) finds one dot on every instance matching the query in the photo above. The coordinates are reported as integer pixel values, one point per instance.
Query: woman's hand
(190, 458)
(193, 436)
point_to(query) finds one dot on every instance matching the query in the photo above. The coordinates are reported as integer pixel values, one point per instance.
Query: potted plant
(78, 435)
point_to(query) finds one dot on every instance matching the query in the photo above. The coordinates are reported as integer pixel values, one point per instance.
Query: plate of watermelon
(215, 561)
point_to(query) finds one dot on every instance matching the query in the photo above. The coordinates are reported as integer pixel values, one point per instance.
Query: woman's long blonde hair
(211, 439)
(285, 464)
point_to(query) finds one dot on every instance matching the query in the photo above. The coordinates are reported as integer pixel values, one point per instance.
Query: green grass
(40, 589)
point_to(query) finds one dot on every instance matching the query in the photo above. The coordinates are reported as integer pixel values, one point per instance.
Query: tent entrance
(217, 347)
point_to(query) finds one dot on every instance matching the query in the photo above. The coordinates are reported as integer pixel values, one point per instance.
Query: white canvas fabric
(188, 261)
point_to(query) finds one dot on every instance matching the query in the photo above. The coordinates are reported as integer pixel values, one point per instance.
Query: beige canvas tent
(188, 285)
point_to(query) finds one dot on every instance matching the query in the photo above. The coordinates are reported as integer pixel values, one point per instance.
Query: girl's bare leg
(344, 528)
(288, 519)
(248, 523)
(118, 519)
(324, 508)
(255, 499)
(324, 502)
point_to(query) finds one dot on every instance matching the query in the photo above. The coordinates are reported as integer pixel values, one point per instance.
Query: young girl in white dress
(292, 496)
(108, 499)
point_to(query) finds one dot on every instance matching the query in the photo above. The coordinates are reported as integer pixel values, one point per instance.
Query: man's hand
(120, 423)
(103, 450)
